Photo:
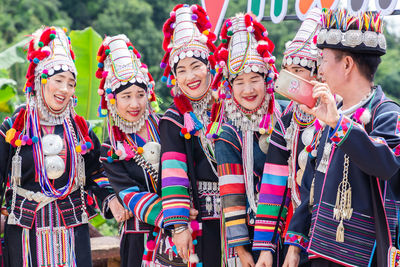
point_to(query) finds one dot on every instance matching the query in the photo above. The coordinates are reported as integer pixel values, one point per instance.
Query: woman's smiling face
(131, 103)
(192, 77)
(249, 90)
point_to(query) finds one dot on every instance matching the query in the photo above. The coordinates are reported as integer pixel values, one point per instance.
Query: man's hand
(118, 211)
(245, 257)
(292, 258)
(266, 259)
(326, 110)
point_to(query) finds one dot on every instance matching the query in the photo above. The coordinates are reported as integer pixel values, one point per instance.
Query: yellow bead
(78, 149)
(65, 29)
(98, 58)
(206, 32)
(44, 81)
(140, 150)
(52, 28)
(18, 142)
(173, 81)
(187, 136)
(112, 101)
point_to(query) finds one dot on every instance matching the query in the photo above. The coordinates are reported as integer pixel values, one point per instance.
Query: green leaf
(85, 44)
(13, 54)
(7, 92)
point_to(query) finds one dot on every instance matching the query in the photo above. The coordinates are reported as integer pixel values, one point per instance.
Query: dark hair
(367, 64)
(203, 60)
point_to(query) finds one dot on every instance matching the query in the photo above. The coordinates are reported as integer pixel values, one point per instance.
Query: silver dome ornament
(55, 166)
(263, 143)
(52, 144)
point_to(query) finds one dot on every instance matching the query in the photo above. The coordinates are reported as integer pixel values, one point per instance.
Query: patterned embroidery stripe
(392, 208)
(397, 131)
(342, 130)
(359, 237)
(296, 239)
(276, 169)
(230, 169)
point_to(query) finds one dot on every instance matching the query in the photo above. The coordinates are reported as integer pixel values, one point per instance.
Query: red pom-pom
(309, 148)
(151, 245)
(99, 74)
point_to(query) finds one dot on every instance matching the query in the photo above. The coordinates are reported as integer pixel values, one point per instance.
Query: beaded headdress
(187, 33)
(361, 33)
(245, 48)
(303, 50)
(119, 67)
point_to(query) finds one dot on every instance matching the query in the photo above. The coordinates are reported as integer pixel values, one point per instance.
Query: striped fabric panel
(146, 206)
(392, 209)
(175, 184)
(102, 182)
(233, 199)
(359, 237)
(273, 186)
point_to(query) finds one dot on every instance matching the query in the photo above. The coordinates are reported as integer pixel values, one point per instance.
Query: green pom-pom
(229, 33)
(40, 44)
(44, 76)
(224, 41)
(52, 36)
(108, 51)
(114, 156)
(130, 47)
(211, 53)
(104, 112)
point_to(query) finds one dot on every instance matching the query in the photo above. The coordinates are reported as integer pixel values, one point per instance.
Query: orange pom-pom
(187, 136)
(140, 150)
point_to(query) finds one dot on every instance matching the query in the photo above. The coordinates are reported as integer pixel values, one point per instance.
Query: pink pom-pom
(138, 55)
(315, 39)
(151, 245)
(100, 92)
(193, 8)
(118, 153)
(172, 14)
(270, 90)
(222, 63)
(266, 59)
(195, 225)
(317, 125)
(110, 96)
(271, 60)
(265, 34)
(104, 74)
(45, 71)
(222, 96)
(208, 25)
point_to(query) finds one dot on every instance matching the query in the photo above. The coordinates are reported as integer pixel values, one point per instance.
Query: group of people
(228, 175)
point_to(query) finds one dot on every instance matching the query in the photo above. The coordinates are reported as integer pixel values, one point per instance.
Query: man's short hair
(367, 64)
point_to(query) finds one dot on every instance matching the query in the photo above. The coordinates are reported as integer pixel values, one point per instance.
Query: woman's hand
(292, 258)
(245, 257)
(183, 243)
(266, 259)
(119, 212)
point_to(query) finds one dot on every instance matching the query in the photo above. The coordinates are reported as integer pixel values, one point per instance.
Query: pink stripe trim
(277, 190)
(170, 172)
(174, 155)
(275, 169)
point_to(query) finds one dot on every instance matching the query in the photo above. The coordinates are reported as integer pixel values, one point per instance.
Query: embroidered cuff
(296, 239)
(342, 130)
(238, 242)
(171, 221)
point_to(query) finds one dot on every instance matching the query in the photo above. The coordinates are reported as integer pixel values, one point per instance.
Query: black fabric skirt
(13, 246)
(132, 249)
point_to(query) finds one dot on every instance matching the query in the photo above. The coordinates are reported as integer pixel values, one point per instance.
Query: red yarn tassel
(183, 104)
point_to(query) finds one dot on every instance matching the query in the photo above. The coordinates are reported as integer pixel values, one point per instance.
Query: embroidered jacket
(176, 184)
(228, 150)
(134, 189)
(372, 154)
(70, 207)
(274, 182)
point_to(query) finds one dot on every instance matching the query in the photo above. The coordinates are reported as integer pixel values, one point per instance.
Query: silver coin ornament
(302, 159)
(55, 166)
(263, 143)
(307, 136)
(52, 145)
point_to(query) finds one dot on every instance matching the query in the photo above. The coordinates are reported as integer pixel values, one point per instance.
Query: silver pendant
(52, 144)
(263, 143)
(55, 166)
(302, 159)
(85, 218)
(209, 204)
(323, 165)
(307, 136)
(16, 169)
(11, 219)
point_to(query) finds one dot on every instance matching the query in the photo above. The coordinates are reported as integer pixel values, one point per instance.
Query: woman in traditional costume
(50, 157)
(131, 154)
(245, 78)
(189, 175)
(287, 156)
